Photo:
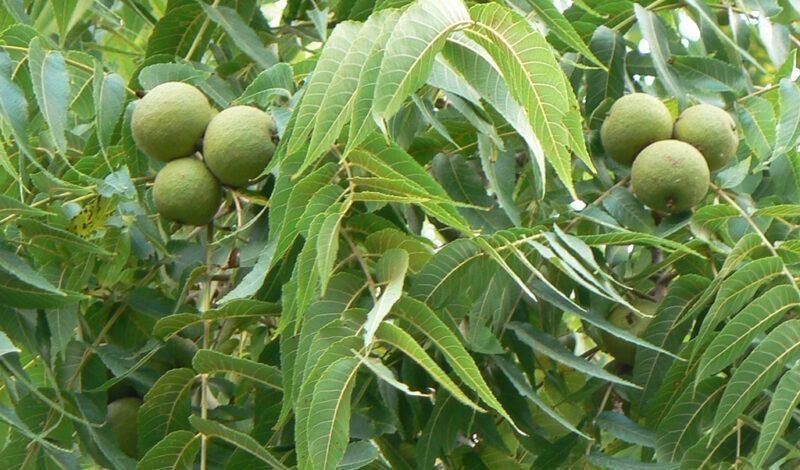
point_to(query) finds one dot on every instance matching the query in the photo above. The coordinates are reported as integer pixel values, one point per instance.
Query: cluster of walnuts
(671, 162)
(172, 122)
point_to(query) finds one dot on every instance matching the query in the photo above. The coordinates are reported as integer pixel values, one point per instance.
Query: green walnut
(122, 416)
(238, 144)
(710, 130)
(186, 192)
(670, 176)
(181, 350)
(624, 351)
(170, 120)
(634, 122)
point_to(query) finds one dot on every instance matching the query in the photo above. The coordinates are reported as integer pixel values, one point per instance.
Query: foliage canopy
(422, 275)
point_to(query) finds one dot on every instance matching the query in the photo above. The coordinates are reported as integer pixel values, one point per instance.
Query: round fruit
(621, 317)
(186, 192)
(123, 418)
(122, 389)
(238, 144)
(710, 130)
(182, 351)
(670, 176)
(169, 121)
(634, 122)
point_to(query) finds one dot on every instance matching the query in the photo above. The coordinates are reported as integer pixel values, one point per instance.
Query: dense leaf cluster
(423, 279)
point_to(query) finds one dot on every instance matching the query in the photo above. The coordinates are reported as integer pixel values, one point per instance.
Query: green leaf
(176, 32)
(361, 119)
(758, 123)
(156, 74)
(9, 206)
(500, 170)
(446, 419)
(418, 36)
(708, 19)
(398, 338)
(625, 237)
(14, 111)
(19, 268)
(171, 325)
(253, 280)
(628, 210)
(177, 451)
(391, 271)
(681, 428)
(788, 131)
(446, 78)
(608, 83)
(62, 323)
(754, 319)
(623, 428)
(534, 78)
(329, 418)
(16, 293)
(767, 7)
(655, 33)
(307, 113)
(464, 184)
(781, 409)
(166, 407)
(765, 364)
(109, 95)
(419, 249)
(41, 234)
(335, 106)
(477, 67)
(735, 292)
(616, 463)
(780, 210)
(550, 347)
(51, 86)
(523, 387)
(561, 27)
(359, 454)
(344, 289)
(275, 81)
(287, 206)
(392, 162)
(429, 324)
(710, 74)
(433, 284)
(206, 361)
(241, 34)
(342, 349)
(305, 275)
(6, 346)
(650, 367)
(328, 243)
(714, 217)
(237, 439)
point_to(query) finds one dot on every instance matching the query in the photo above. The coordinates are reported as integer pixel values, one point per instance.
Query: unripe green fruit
(621, 317)
(186, 192)
(123, 417)
(169, 121)
(634, 122)
(182, 351)
(710, 130)
(670, 176)
(238, 144)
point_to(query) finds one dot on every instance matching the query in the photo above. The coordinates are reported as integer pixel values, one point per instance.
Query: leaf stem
(199, 37)
(205, 305)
